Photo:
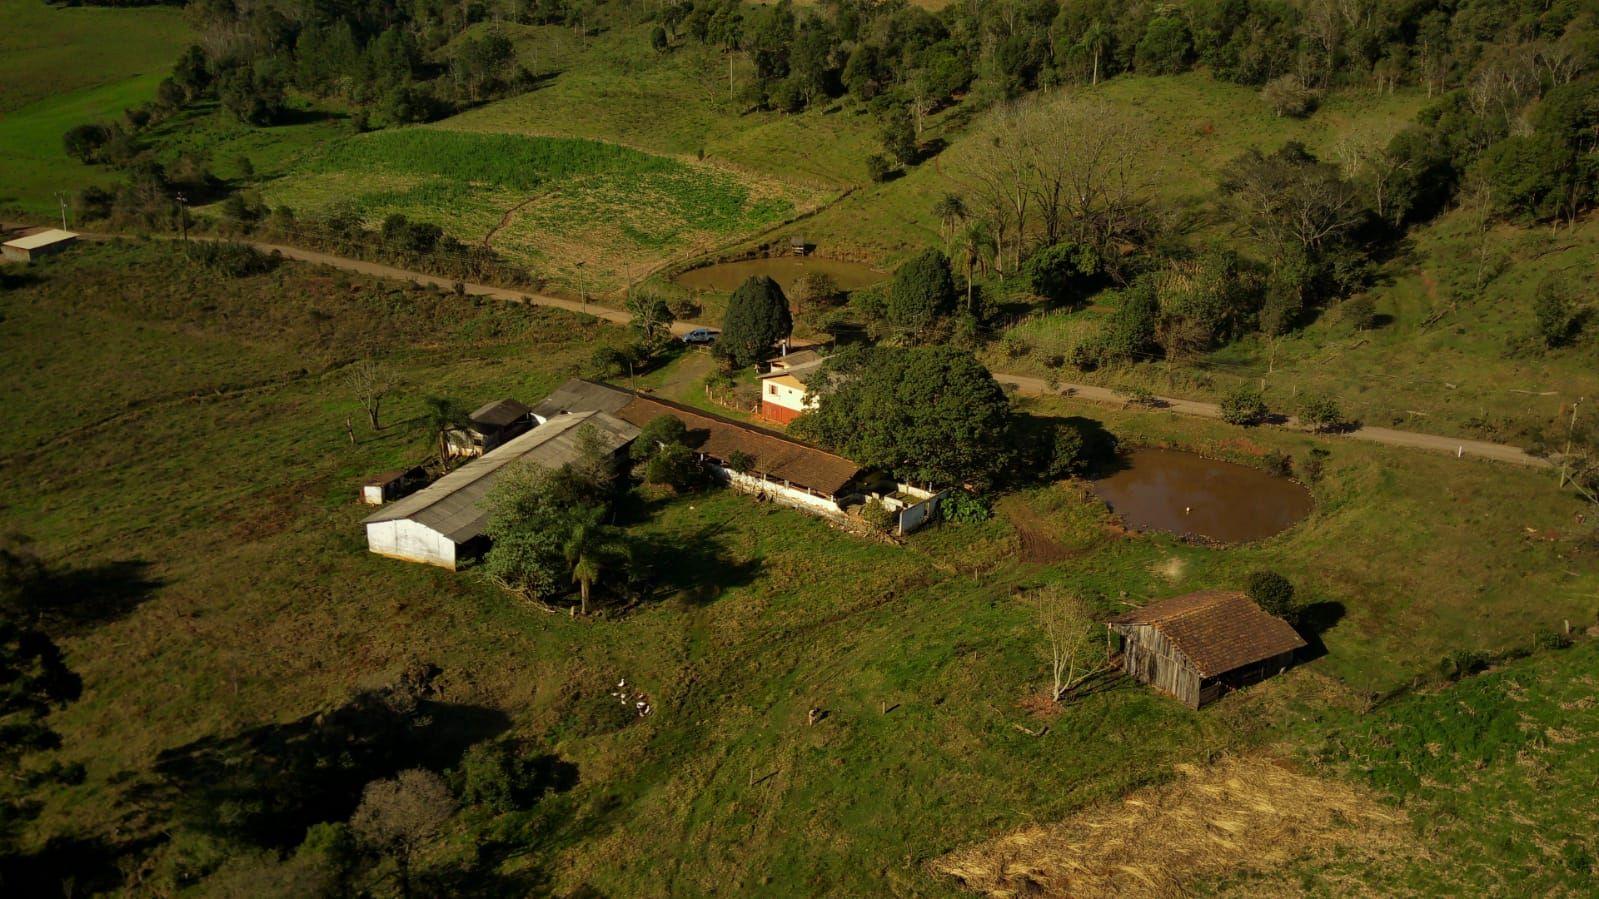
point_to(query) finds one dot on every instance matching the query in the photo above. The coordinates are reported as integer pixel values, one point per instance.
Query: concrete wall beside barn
(788, 496)
(405, 539)
(915, 515)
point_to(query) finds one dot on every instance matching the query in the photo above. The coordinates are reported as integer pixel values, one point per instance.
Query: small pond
(1168, 490)
(725, 277)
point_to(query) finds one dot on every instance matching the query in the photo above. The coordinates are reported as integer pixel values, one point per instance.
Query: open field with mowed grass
(61, 67)
(220, 492)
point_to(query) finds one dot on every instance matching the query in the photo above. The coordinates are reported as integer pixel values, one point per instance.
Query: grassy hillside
(48, 51)
(61, 67)
(207, 505)
(614, 87)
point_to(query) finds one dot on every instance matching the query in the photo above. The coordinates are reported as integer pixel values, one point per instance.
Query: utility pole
(582, 289)
(1565, 458)
(61, 197)
(183, 215)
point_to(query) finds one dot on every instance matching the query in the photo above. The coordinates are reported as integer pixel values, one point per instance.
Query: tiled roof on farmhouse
(776, 456)
(1218, 630)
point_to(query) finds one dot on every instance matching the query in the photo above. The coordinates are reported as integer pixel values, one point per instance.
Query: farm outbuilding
(443, 524)
(780, 469)
(1199, 646)
(489, 426)
(40, 243)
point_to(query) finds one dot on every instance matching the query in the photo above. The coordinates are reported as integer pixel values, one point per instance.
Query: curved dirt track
(1456, 446)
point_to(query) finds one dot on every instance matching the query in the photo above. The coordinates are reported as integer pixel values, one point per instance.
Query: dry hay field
(581, 212)
(1238, 815)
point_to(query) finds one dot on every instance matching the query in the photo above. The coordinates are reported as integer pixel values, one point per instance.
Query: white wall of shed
(406, 539)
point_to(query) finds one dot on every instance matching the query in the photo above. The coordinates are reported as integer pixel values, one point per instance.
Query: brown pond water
(725, 277)
(1167, 490)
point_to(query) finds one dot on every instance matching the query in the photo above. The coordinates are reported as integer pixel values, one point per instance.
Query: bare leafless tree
(1053, 167)
(371, 381)
(1070, 634)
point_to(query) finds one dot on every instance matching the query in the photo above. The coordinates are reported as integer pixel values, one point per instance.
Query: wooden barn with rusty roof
(1199, 646)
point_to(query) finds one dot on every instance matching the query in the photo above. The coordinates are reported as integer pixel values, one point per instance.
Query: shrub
(816, 289)
(923, 291)
(1315, 464)
(870, 303)
(1280, 463)
(84, 142)
(878, 168)
(1057, 273)
(235, 260)
(501, 776)
(962, 507)
(879, 516)
(1551, 640)
(675, 466)
(1360, 312)
(1274, 593)
(741, 462)
(1243, 406)
(1138, 395)
(1015, 346)
(1321, 413)
(661, 431)
(1290, 96)
(1463, 663)
(1555, 318)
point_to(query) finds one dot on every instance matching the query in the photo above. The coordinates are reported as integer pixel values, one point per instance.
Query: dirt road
(1458, 447)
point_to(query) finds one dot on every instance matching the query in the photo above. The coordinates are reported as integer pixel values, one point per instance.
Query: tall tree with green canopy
(757, 318)
(928, 414)
(923, 291)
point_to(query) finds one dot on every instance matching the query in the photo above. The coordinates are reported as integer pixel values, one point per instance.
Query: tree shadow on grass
(695, 566)
(1316, 619)
(76, 600)
(266, 785)
(70, 866)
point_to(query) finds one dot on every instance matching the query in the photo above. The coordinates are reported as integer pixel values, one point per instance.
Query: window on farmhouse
(772, 389)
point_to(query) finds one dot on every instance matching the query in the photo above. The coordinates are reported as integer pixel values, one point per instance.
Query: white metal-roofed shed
(40, 243)
(435, 523)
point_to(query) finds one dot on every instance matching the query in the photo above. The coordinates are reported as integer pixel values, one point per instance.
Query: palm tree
(584, 548)
(1095, 39)
(974, 241)
(442, 416)
(951, 211)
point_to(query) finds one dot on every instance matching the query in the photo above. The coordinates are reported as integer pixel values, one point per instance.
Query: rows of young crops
(502, 160)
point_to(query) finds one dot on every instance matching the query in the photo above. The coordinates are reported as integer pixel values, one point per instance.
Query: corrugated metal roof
(578, 395)
(41, 239)
(500, 413)
(453, 506)
(1218, 630)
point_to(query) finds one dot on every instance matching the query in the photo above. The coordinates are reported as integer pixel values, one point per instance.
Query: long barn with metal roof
(444, 522)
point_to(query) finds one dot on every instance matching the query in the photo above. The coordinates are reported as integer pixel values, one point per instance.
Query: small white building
(785, 391)
(443, 524)
(40, 243)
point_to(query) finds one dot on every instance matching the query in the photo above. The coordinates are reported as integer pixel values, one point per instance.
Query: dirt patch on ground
(1237, 816)
(1039, 546)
